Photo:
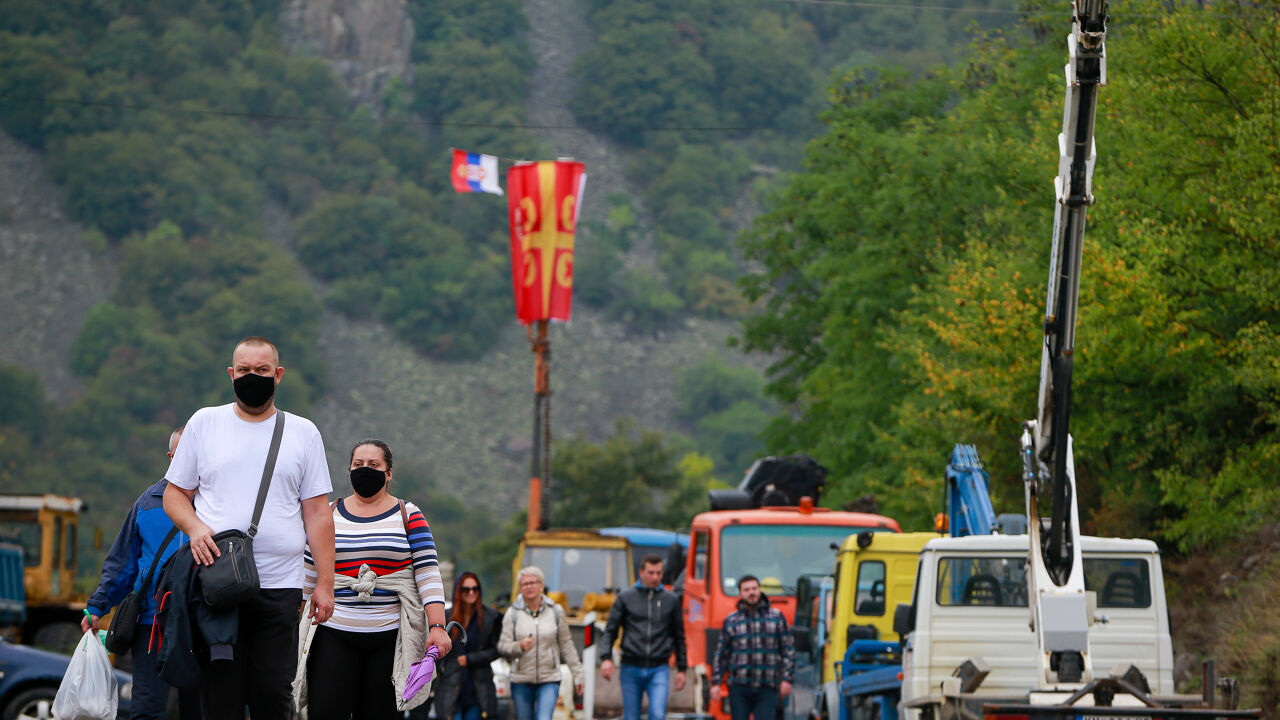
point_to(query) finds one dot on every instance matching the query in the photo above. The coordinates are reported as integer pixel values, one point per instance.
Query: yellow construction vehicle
(585, 571)
(47, 529)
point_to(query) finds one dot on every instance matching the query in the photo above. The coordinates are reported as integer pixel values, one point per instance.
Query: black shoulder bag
(124, 623)
(233, 576)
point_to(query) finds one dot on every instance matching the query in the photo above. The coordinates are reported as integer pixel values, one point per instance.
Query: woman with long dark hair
(466, 688)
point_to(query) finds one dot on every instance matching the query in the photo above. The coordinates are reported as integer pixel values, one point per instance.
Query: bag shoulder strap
(404, 518)
(267, 471)
(155, 562)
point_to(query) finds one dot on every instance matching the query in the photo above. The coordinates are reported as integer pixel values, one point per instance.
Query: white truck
(970, 606)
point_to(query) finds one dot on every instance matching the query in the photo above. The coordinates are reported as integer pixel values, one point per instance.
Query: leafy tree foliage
(726, 408)
(635, 476)
(902, 280)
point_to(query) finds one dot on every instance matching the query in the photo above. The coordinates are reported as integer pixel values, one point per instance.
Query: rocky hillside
(49, 277)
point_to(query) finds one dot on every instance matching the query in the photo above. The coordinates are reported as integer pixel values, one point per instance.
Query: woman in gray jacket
(535, 637)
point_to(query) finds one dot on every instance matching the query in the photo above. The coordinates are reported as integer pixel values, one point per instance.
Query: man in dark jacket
(755, 655)
(652, 628)
(123, 572)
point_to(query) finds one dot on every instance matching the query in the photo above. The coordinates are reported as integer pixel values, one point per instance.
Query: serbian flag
(543, 208)
(473, 172)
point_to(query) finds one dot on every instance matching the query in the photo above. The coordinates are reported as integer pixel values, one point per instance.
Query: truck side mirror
(674, 565)
(803, 639)
(904, 620)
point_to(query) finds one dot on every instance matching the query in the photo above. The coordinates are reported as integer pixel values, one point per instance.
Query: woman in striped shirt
(380, 543)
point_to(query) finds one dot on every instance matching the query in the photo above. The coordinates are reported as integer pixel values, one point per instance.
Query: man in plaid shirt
(755, 655)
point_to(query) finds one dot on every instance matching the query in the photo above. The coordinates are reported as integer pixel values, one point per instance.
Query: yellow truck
(874, 572)
(585, 571)
(47, 529)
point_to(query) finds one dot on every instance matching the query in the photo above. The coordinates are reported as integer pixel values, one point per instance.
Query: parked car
(29, 680)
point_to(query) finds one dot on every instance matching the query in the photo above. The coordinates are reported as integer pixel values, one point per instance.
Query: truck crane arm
(1056, 577)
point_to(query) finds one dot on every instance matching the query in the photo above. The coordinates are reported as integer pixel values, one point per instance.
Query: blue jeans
(760, 703)
(636, 681)
(470, 712)
(535, 701)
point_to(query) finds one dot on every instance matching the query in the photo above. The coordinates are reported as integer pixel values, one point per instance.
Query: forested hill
(177, 177)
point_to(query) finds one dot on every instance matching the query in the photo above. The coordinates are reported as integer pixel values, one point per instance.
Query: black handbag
(124, 623)
(233, 576)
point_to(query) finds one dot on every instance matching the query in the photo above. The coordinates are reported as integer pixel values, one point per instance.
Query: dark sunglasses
(470, 588)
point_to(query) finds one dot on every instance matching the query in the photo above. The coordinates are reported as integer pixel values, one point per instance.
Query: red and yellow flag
(542, 205)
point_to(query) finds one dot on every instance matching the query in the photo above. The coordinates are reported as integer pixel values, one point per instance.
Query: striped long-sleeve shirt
(382, 543)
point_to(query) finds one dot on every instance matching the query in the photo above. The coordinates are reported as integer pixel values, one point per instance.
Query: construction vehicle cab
(874, 572)
(46, 527)
(585, 570)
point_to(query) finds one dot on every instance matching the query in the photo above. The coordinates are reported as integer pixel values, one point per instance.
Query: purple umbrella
(420, 673)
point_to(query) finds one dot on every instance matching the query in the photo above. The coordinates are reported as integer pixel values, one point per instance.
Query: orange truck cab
(776, 543)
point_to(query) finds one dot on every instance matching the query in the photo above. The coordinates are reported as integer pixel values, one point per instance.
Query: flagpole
(540, 470)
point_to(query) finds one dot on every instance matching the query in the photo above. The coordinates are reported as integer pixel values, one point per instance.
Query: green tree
(634, 476)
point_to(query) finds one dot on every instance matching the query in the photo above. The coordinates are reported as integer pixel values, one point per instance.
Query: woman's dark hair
(386, 450)
(462, 611)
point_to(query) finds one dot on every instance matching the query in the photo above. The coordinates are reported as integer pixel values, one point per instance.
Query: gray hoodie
(552, 643)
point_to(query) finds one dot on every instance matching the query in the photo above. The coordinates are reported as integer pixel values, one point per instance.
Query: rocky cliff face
(367, 42)
(49, 277)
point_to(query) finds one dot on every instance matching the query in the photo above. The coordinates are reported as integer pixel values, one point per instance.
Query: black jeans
(349, 675)
(266, 656)
(151, 694)
(760, 703)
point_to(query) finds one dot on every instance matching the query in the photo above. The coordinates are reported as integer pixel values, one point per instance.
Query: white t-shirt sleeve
(183, 470)
(315, 470)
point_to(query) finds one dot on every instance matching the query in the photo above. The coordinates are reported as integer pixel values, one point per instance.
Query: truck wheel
(59, 637)
(31, 704)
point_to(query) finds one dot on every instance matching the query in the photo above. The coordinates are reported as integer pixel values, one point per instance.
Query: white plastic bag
(88, 690)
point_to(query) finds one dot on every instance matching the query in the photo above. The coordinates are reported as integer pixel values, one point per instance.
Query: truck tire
(31, 704)
(61, 637)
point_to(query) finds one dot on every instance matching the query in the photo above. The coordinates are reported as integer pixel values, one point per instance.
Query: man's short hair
(258, 340)
(747, 579)
(173, 437)
(651, 559)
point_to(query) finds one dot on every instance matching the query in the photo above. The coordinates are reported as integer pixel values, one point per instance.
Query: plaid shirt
(756, 648)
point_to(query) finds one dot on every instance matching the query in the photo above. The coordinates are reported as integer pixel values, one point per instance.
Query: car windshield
(778, 554)
(576, 571)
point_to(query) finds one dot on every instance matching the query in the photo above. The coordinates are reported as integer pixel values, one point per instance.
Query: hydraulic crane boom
(1056, 577)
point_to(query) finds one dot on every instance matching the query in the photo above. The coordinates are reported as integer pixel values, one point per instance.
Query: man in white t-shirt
(213, 486)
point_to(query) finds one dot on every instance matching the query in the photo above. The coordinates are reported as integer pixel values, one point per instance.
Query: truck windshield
(576, 571)
(778, 554)
(995, 581)
(1121, 582)
(22, 528)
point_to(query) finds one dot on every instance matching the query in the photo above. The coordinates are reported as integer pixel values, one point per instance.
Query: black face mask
(254, 390)
(367, 481)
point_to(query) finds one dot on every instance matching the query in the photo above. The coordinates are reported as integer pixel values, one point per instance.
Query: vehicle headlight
(126, 691)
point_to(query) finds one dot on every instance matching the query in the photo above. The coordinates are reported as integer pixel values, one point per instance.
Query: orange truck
(764, 528)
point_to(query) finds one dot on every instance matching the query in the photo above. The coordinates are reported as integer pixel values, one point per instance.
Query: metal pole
(540, 467)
